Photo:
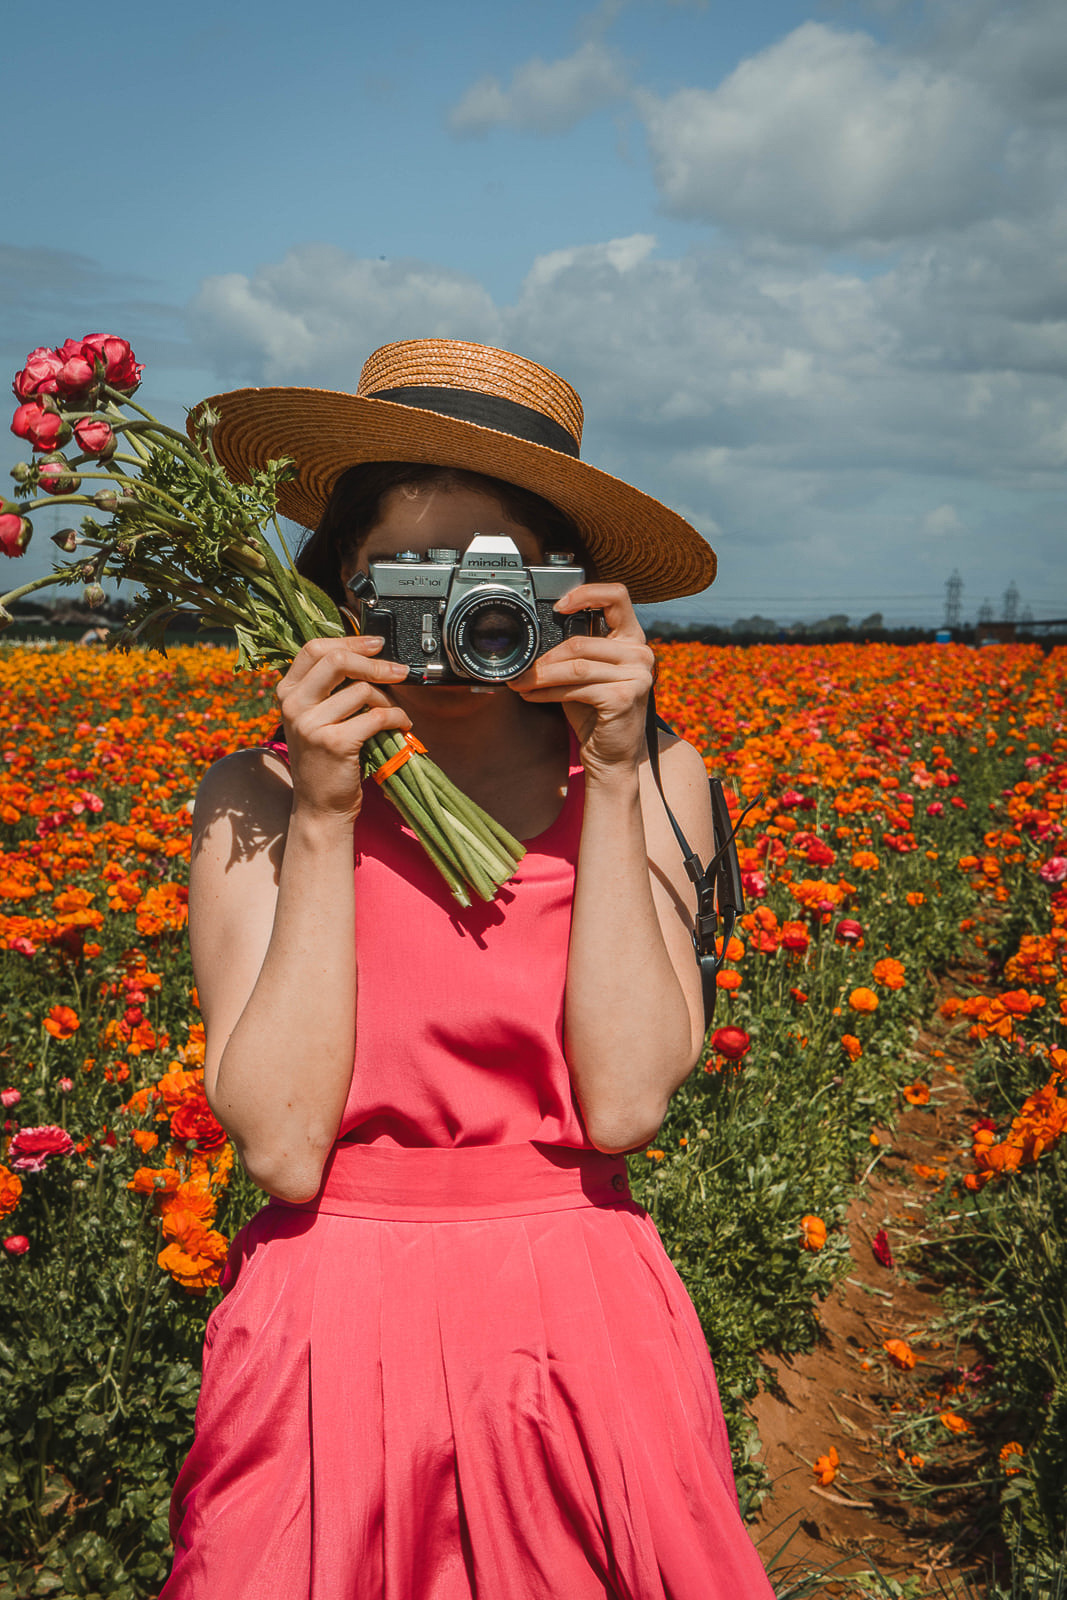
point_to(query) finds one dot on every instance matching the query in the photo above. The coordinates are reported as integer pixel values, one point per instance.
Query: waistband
(389, 1182)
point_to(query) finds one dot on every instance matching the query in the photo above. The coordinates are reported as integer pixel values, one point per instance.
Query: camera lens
(492, 638)
(494, 635)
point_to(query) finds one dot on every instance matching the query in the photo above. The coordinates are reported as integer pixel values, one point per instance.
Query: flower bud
(15, 532)
(67, 540)
(22, 472)
(43, 429)
(96, 437)
(54, 475)
(106, 500)
(94, 596)
(38, 376)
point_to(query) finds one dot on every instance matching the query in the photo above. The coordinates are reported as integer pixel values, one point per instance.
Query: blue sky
(804, 263)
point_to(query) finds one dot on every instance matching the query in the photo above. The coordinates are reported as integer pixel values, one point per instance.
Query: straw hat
(468, 406)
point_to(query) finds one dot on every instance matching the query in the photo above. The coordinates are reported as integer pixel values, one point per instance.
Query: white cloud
(830, 137)
(831, 425)
(544, 96)
(941, 521)
(315, 315)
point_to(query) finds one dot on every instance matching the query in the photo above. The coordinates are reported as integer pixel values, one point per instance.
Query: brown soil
(879, 1512)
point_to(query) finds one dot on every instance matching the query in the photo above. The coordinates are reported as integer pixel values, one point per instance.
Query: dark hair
(355, 507)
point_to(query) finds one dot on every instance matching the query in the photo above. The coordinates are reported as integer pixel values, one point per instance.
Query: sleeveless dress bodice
(459, 1011)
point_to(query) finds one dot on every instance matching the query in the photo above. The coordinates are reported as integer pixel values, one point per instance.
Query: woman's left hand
(602, 683)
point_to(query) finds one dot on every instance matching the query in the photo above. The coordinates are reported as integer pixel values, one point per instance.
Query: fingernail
(400, 668)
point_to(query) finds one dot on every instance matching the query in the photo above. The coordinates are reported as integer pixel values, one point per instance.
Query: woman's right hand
(326, 730)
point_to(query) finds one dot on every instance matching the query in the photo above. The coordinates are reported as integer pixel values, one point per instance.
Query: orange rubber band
(387, 768)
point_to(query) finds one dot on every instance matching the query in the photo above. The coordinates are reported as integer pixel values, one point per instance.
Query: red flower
(38, 376)
(880, 1245)
(848, 931)
(17, 1244)
(55, 476)
(121, 368)
(733, 1043)
(194, 1121)
(77, 370)
(43, 429)
(95, 436)
(795, 937)
(15, 532)
(31, 1147)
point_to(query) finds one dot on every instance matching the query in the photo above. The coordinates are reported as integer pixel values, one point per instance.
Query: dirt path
(843, 1394)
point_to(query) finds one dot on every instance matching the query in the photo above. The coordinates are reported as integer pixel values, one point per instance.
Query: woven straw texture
(634, 539)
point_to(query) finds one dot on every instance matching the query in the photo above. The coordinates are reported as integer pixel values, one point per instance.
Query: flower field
(914, 807)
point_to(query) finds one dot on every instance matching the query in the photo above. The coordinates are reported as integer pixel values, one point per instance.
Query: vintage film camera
(480, 618)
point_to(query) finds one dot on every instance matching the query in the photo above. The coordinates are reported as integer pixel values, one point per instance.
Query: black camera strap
(718, 885)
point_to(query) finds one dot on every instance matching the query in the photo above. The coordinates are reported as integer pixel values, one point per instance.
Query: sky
(806, 263)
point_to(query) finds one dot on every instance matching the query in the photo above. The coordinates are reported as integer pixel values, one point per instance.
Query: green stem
(50, 581)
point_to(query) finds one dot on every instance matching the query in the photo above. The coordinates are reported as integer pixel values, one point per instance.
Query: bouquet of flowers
(162, 515)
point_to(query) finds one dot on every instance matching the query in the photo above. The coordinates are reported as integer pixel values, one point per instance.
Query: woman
(453, 1358)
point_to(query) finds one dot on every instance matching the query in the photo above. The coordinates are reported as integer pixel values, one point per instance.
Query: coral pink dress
(467, 1368)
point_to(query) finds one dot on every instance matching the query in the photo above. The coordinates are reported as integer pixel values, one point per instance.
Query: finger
(317, 650)
(346, 739)
(339, 708)
(589, 661)
(610, 598)
(324, 670)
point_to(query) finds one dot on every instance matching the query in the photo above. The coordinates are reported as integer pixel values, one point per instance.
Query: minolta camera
(481, 618)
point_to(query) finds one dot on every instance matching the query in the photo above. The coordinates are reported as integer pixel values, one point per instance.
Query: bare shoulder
(253, 782)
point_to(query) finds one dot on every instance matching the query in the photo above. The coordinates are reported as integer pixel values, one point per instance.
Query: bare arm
(634, 1015)
(272, 920)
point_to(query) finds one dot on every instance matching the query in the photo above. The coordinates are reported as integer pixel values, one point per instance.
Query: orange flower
(865, 860)
(10, 1191)
(851, 1046)
(915, 898)
(144, 1140)
(953, 1423)
(813, 1232)
(1011, 1455)
(864, 1000)
(825, 1467)
(154, 1180)
(889, 973)
(916, 1094)
(61, 1022)
(900, 1354)
(728, 980)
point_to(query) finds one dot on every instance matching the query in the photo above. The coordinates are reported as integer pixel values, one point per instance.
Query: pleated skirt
(457, 1373)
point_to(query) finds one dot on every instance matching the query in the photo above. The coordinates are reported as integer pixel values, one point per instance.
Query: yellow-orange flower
(865, 860)
(916, 1094)
(10, 1191)
(889, 973)
(825, 1467)
(900, 1354)
(813, 1232)
(144, 1140)
(1011, 1455)
(851, 1046)
(863, 1000)
(954, 1423)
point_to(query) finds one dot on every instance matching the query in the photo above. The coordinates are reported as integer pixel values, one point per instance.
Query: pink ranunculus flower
(121, 368)
(77, 371)
(43, 429)
(9, 1098)
(754, 885)
(16, 1244)
(55, 476)
(38, 376)
(66, 1085)
(15, 533)
(1054, 870)
(95, 436)
(935, 809)
(23, 947)
(31, 1147)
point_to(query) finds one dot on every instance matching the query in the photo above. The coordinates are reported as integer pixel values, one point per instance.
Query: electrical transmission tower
(953, 592)
(1010, 605)
(985, 612)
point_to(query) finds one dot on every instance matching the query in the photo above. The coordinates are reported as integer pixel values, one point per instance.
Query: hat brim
(633, 538)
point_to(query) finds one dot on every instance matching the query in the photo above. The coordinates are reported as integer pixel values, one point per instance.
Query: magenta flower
(31, 1147)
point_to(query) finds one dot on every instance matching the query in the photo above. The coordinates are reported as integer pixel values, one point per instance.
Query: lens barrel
(491, 636)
